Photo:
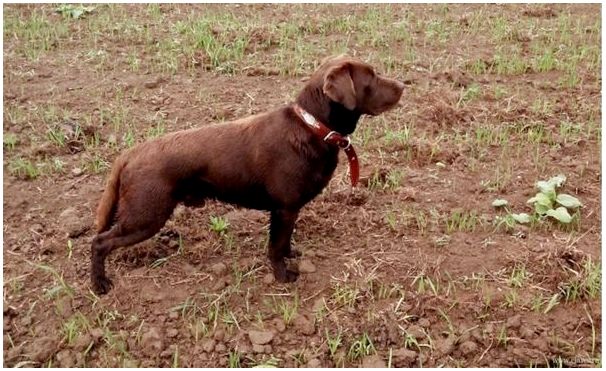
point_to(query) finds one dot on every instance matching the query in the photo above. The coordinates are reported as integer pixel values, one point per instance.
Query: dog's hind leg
(281, 228)
(138, 220)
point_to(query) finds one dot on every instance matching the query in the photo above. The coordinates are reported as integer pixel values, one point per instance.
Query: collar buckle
(334, 138)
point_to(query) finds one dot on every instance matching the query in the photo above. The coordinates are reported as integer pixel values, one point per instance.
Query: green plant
(380, 180)
(468, 94)
(584, 282)
(288, 309)
(219, 224)
(56, 136)
(461, 221)
(544, 203)
(23, 169)
(510, 220)
(518, 276)
(61, 286)
(502, 338)
(410, 340)
(157, 130)
(546, 199)
(74, 327)
(553, 301)
(74, 11)
(401, 136)
(333, 342)
(511, 299)
(10, 140)
(361, 348)
(423, 283)
(345, 295)
(96, 164)
(271, 362)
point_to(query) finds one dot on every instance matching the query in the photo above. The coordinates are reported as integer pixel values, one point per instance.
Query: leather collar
(332, 137)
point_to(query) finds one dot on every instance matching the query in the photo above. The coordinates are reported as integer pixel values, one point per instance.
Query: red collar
(334, 138)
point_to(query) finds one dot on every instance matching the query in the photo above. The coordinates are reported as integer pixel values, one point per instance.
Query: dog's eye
(367, 89)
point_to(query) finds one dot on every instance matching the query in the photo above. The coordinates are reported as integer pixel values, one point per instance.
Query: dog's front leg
(280, 232)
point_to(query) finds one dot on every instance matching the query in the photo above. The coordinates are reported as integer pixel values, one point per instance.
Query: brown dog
(271, 161)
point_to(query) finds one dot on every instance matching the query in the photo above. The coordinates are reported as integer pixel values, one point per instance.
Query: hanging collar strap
(334, 138)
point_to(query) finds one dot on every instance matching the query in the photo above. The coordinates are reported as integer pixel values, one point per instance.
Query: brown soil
(386, 245)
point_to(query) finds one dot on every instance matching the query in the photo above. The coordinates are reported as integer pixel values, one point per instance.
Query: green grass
(392, 180)
(96, 164)
(23, 168)
(233, 359)
(584, 282)
(156, 130)
(345, 295)
(36, 33)
(509, 62)
(518, 276)
(463, 221)
(469, 94)
(74, 327)
(287, 309)
(334, 342)
(360, 348)
(424, 283)
(10, 141)
(56, 136)
(399, 136)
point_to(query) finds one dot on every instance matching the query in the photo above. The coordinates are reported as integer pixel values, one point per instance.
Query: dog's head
(357, 86)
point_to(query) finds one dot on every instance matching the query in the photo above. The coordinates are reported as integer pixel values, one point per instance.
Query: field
(415, 267)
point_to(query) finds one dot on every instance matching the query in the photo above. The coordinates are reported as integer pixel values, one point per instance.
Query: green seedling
(499, 202)
(546, 200)
(361, 348)
(219, 224)
(234, 359)
(344, 295)
(553, 301)
(23, 169)
(271, 362)
(545, 204)
(288, 309)
(410, 341)
(502, 338)
(510, 219)
(74, 11)
(519, 274)
(10, 140)
(333, 342)
(511, 299)
(584, 282)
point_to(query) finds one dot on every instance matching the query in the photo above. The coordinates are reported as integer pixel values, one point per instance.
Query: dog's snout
(400, 85)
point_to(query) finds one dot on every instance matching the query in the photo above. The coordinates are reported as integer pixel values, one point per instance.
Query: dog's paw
(292, 254)
(102, 285)
(288, 276)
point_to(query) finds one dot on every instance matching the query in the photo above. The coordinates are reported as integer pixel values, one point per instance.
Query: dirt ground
(415, 268)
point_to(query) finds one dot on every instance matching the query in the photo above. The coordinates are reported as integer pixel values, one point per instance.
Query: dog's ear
(339, 86)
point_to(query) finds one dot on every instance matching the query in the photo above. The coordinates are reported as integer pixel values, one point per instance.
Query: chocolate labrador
(276, 161)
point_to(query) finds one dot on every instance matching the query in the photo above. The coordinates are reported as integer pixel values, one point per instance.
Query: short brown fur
(269, 161)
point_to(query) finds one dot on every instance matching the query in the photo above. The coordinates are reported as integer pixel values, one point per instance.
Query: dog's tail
(108, 204)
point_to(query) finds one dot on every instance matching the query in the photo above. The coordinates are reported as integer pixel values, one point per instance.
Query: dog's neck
(332, 114)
